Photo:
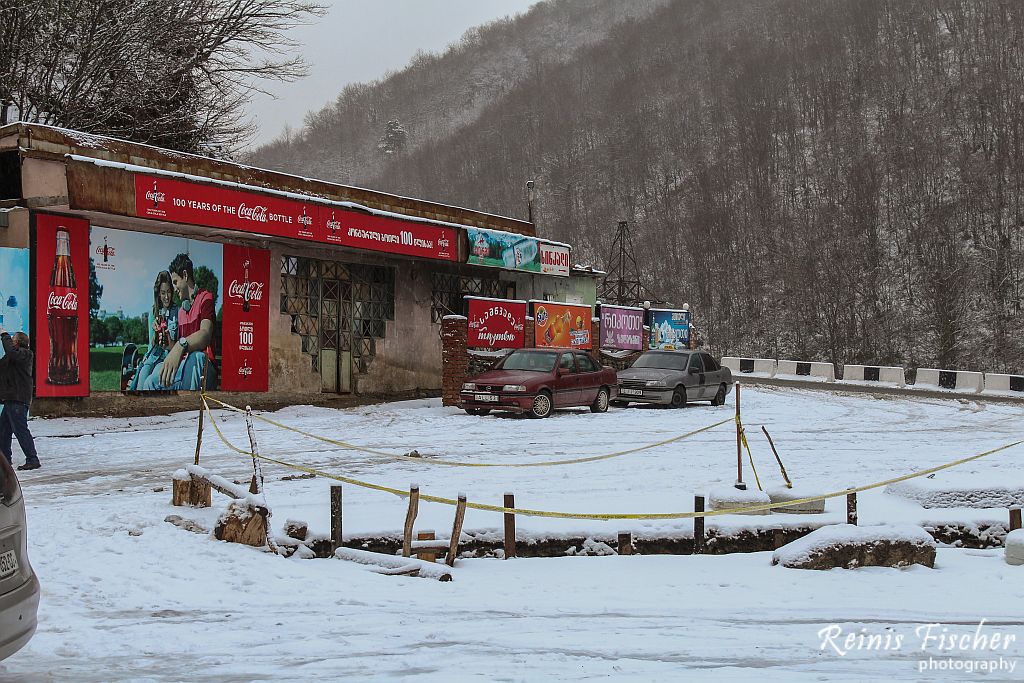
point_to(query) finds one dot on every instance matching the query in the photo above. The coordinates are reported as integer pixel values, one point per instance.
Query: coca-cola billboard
(61, 340)
(496, 323)
(180, 201)
(245, 328)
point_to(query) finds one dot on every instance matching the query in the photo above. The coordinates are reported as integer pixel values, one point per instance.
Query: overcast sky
(361, 40)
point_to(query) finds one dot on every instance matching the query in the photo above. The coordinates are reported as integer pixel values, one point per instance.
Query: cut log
(392, 564)
(242, 523)
(293, 528)
(190, 492)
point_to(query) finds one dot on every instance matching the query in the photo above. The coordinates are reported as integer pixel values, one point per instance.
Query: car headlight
(469, 386)
(514, 387)
(655, 383)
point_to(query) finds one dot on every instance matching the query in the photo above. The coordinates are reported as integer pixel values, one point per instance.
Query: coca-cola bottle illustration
(245, 288)
(62, 316)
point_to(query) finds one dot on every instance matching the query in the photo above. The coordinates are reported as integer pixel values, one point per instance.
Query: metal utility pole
(622, 284)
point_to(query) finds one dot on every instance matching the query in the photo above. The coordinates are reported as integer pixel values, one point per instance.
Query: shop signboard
(180, 201)
(554, 259)
(562, 325)
(496, 323)
(670, 329)
(622, 327)
(150, 291)
(503, 250)
(14, 289)
(61, 306)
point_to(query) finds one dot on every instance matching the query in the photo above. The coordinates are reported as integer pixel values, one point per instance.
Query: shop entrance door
(336, 335)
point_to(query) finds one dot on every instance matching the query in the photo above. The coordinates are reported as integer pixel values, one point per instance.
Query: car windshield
(664, 361)
(536, 361)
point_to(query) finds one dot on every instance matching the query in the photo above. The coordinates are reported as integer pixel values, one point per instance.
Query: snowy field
(127, 596)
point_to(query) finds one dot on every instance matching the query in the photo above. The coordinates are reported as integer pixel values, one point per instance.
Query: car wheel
(478, 411)
(600, 404)
(719, 398)
(541, 405)
(678, 397)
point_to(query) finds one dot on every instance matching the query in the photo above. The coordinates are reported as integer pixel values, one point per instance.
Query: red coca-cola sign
(61, 331)
(180, 201)
(496, 323)
(245, 328)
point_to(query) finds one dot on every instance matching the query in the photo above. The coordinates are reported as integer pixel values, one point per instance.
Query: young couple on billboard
(180, 337)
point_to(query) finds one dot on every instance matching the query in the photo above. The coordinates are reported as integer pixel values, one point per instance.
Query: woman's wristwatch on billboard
(183, 343)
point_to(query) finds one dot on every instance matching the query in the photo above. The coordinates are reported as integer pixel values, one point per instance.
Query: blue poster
(14, 313)
(670, 329)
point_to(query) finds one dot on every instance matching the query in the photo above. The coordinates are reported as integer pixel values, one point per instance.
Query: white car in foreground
(19, 587)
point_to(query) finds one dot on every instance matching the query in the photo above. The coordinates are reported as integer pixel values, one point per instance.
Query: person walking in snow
(16, 396)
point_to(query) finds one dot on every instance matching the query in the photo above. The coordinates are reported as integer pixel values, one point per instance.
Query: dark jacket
(15, 372)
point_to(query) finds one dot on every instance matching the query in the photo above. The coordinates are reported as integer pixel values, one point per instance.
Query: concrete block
(959, 381)
(848, 546)
(730, 498)
(870, 374)
(806, 370)
(753, 367)
(781, 494)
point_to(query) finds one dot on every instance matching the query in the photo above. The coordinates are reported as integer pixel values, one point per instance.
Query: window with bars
(449, 290)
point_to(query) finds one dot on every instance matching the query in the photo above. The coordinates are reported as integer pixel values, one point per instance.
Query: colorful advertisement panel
(670, 329)
(622, 327)
(496, 323)
(503, 250)
(61, 306)
(151, 291)
(562, 325)
(180, 201)
(14, 289)
(554, 259)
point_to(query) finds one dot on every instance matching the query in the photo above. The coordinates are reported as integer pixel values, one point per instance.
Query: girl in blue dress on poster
(163, 329)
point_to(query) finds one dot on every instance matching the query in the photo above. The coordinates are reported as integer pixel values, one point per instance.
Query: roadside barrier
(1006, 385)
(455, 463)
(870, 373)
(756, 367)
(851, 492)
(799, 368)
(953, 380)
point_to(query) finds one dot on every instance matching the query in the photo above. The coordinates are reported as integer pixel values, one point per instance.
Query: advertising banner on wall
(61, 306)
(562, 325)
(622, 327)
(554, 259)
(181, 201)
(14, 290)
(496, 323)
(503, 250)
(670, 329)
(151, 291)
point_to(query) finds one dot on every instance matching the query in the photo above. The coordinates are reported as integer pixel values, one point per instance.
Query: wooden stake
(426, 555)
(698, 526)
(782, 467)
(851, 508)
(202, 414)
(739, 444)
(460, 515)
(625, 543)
(1014, 518)
(254, 486)
(336, 539)
(510, 527)
(410, 519)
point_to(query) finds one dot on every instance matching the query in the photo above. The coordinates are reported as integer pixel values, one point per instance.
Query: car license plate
(487, 398)
(8, 564)
(631, 392)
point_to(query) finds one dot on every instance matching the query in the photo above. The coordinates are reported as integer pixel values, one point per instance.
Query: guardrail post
(739, 439)
(336, 527)
(851, 508)
(625, 543)
(510, 527)
(1015, 518)
(410, 519)
(698, 526)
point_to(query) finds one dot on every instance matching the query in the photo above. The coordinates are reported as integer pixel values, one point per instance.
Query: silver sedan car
(674, 378)
(19, 587)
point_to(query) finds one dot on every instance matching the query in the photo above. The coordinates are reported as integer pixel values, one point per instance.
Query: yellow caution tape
(455, 463)
(583, 515)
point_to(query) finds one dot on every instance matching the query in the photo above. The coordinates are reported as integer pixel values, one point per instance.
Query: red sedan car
(536, 381)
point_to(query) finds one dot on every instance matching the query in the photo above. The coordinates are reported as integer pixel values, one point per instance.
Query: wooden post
(426, 555)
(510, 527)
(1015, 518)
(410, 519)
(625, 543)
(202, 414)
(782, 467)
(698, 526)
(778, 538)
(335, 517)
(460, 515)
(739, 444)
(254, 486)
(851, 508)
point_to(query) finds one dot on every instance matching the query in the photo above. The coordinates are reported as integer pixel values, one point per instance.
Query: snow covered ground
(127, 596)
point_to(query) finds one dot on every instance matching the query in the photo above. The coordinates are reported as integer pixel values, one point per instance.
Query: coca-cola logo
(333, 225)
(62, 302)
(245, 371)
(105, 251)
(156, 197)
(253, 213)
(236, 290)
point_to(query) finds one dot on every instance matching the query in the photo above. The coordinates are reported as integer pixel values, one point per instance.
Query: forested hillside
(819, 179)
